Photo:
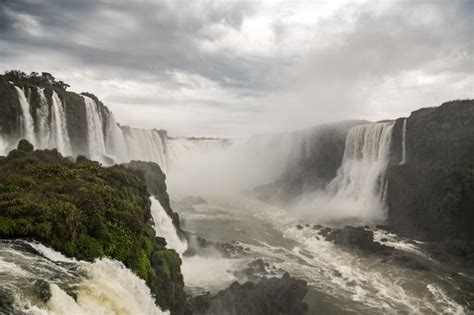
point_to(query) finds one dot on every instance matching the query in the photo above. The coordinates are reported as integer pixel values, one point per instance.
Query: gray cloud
(271, 65)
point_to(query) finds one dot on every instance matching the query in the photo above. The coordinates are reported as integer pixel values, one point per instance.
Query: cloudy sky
(232, 68)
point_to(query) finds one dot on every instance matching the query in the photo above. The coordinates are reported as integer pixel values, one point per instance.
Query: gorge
(262, 206)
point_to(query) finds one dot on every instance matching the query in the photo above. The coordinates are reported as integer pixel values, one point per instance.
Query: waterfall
(145, 145)
(404, 136)
(59, 136)
(360, 180)
(164, 227)
(3, 146)
(105, 286)
(27, 120)
(95, 132)
(42, 119)
(114, 140)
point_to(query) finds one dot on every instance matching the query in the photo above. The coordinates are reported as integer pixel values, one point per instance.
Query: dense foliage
(87, 211)
(44, 79)
(156, 185)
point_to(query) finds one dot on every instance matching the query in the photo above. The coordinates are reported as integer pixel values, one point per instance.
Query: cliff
(156, 186)
(431, 196)
(73, 104)
(87, 211)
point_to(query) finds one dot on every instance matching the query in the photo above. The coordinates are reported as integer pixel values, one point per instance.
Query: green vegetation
(44, 79)
(87, 211)
(156, 185)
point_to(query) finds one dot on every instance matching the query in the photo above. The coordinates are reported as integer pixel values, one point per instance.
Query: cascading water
(103, 287)
(27, 119)
(404, 136)
(164, 227)
(145, 145)
(360, 179)
(114, 140)
(42, 119)
(59, 135)
(95, 132)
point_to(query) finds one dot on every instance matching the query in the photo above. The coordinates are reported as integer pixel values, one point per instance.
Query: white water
(209, 272)
(114, 140)
(42, 120)
(103, 287)
(27, 119)
(59, 136)
(95, 133)
(357, 191)
(164, 227)
(404, 136)
(338, 276)
(3, 146)
(145, 145)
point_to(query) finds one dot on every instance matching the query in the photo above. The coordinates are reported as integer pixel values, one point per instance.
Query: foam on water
(105, 286)
(50, 253)
(211, 273)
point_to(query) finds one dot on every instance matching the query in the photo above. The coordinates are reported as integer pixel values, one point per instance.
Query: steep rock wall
(431, 195)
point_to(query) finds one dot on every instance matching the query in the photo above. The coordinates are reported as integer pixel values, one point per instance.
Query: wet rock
(299, 227)
(325, 231)
(259, 265)
(268, 296)
(359, 238)
(317, 227)
(337, 273)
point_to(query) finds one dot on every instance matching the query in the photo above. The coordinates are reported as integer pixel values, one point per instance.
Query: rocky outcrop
(87, 211)
(431, 196)
(357, 237)
(156, 186)
(269, 296)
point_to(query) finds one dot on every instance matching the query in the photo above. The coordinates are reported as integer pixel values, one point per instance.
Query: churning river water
(340, 280)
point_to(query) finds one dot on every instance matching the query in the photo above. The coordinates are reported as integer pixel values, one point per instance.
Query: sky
(236, 68)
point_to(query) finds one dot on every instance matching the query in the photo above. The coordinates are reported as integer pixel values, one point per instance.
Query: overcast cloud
(233, 68)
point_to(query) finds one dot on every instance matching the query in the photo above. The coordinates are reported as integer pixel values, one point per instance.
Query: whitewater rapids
(105, 286)
(340, 281)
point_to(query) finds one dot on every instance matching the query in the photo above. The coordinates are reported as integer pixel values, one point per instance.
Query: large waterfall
(27, 119)
(42, 121)
(59, 134)
(357, 191)
(48, 129)
(146, 145)
(360, 179)
(95, 131)
(114, 140)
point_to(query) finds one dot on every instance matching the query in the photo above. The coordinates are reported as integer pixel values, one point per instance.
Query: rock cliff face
(156, 186)
(431, 195)
(11, 114)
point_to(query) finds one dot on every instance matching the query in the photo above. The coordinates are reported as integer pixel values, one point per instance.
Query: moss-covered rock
(156, 185)
(87, 211)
